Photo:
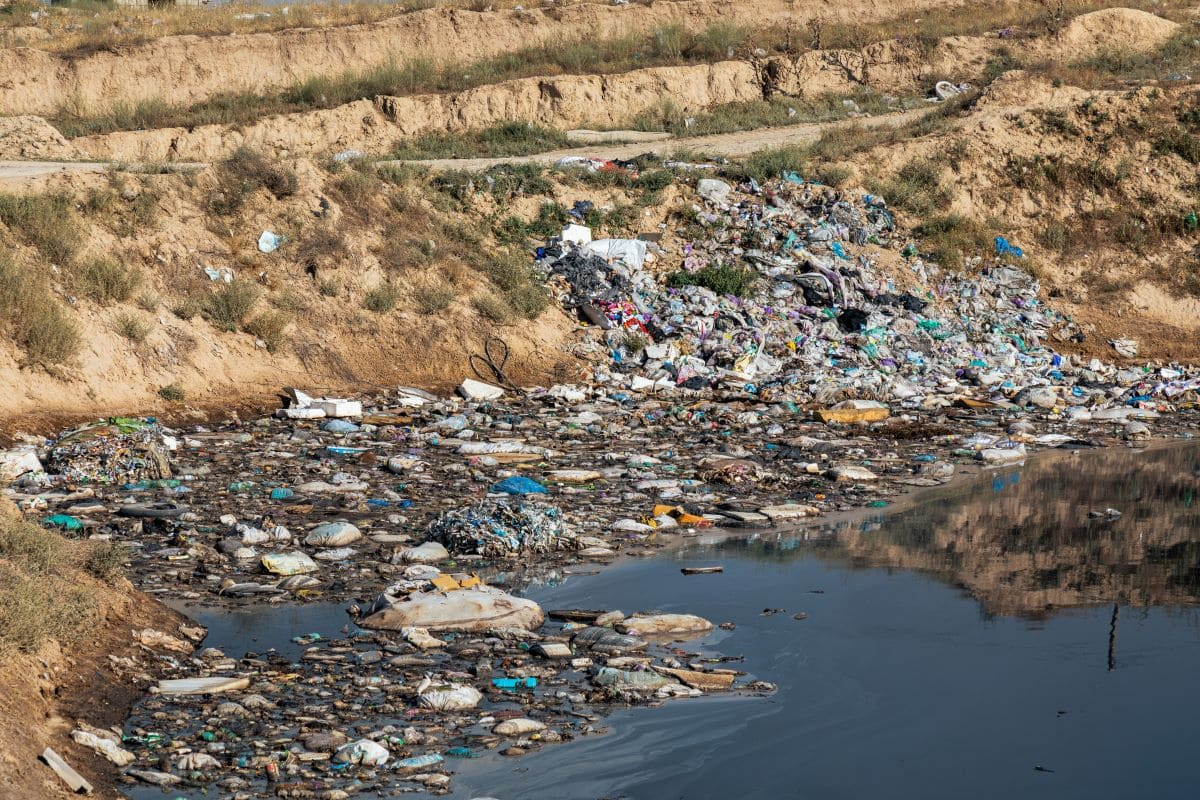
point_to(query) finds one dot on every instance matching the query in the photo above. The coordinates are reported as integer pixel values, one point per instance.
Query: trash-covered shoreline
(824, 386)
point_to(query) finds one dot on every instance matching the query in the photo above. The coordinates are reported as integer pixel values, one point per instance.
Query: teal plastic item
(64, 521)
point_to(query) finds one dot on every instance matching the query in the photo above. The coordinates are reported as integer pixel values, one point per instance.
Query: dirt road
(730, 145)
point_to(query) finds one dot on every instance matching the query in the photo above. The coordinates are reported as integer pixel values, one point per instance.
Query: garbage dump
(830, 381)
(796, 292)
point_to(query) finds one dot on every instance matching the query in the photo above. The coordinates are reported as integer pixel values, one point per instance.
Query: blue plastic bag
(519, 484)
(1004, 248)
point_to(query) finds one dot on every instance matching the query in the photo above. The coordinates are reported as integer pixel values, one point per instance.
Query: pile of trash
(819, 318)
(502, 527)
(119, 450)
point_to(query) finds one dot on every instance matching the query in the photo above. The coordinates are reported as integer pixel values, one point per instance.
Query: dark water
(261, 627)
(950, 651)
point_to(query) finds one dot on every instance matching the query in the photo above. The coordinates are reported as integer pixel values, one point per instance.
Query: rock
(609, 618)
(607, 640)
(324, 742)
(647, 680)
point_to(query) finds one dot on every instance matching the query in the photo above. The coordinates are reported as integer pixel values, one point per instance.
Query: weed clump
(229, 306)
(245, 172)
(132, 327)
(46, 221)
(722, 279)
(917, 187)
(104, 280)
(433, 296)
(172, 393)
(381, 299)
(269, 327)
(950, 238)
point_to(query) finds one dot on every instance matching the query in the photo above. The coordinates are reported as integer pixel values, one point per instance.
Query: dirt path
(22, 171)
(730, 145)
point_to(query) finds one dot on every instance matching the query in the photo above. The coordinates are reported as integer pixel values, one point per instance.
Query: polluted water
(708, 553)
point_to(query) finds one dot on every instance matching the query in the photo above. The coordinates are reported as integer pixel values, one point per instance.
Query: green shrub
(504, 139)
(723, 279)
(228, 307)
(46, 333)
(381, 299)
(916, 187)
(831, 174)
(770, 164)
(172, 393)
(493, 307)
(528, 300)
(950, 238)
(509, 270)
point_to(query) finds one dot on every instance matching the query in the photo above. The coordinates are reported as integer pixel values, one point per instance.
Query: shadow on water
(1029, 539)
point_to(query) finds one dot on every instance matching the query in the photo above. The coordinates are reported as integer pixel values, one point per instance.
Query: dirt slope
(186, 69)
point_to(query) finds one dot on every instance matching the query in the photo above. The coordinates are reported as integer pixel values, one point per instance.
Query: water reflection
(1027, 540)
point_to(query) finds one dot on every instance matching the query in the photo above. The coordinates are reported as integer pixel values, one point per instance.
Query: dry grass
(229, 306)
(40, 596)
(381, 299)
(245, 172)
(104, 280)
(433, 296)
(493, 307)
(35, 319)
(132, 326)
(269, 327)
(45, 221)
(81, 28)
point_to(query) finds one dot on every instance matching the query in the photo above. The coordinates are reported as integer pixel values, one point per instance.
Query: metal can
(272, 772)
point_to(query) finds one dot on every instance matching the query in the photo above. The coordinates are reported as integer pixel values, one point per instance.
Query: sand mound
(30, 137)
(1119, 28)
